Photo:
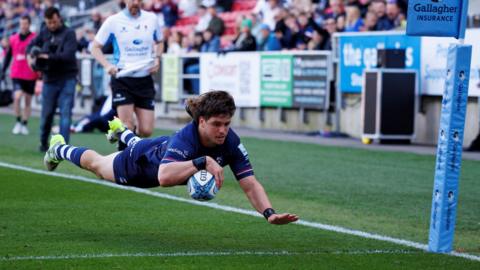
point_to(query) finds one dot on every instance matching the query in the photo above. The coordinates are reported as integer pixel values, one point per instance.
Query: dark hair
(26, 17)
(213, 103)
(49, 12)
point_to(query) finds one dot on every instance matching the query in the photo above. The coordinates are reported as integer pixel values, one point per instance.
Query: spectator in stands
(331, 26)
(174, 43)
(334, 10)
(204, 19)
(269, 41)
(280, 17)
(216, 24)
(383, 22)
(22, 75)
(209, 3)
(394, 14)
(187, 8)
(96, 18)
(189, 42)
(318, 41)
(370, 21)
(256, 24)
(197, 41)
(245, 40)
(224, 5)
(353, 19)
(211, 42)
(301, 6)
(267, 9)
(305, 26)
(82, 35)
(170, 12)
(290, 36)
(55, 48)
(364, 6)
(301, 44)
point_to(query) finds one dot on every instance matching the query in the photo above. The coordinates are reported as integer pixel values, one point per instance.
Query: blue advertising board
(358, 52)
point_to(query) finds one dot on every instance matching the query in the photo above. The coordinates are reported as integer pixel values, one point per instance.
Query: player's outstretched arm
(258, 198)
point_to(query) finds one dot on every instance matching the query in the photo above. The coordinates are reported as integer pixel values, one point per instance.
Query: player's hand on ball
(280, 219)
(216, 170)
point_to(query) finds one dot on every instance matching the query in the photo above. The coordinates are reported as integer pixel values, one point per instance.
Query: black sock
(19, 119)
(25, 122)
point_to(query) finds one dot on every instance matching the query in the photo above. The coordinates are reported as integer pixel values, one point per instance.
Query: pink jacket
(20, 68)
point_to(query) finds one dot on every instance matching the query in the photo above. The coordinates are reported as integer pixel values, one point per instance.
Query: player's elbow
(165, 179)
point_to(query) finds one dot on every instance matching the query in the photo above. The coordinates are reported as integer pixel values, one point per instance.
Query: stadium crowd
(238, 25)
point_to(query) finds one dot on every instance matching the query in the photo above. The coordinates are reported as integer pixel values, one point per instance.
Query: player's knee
(145, 132)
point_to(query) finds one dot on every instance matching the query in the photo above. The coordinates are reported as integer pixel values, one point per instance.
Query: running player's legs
(145, 121)
(125, 113)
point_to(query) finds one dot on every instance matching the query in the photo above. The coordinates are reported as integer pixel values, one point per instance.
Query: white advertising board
(434, 62)
(237, 73)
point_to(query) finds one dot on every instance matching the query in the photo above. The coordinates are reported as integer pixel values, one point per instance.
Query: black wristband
(200, 163)
(268, 212)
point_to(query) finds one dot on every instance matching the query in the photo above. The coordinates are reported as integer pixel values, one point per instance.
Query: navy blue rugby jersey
(185, 145)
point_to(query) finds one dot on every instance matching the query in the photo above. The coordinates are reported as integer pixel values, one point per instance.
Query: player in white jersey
(134, 34)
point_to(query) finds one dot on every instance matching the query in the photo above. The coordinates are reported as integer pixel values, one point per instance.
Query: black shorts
(27, 86)
(137, 91)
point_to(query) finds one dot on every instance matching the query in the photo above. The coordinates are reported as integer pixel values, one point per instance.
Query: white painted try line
(203, 254)
(326, 227)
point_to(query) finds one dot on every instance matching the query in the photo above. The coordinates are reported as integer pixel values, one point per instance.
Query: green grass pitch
(49, 222)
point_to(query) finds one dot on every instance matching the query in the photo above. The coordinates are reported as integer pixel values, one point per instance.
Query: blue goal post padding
(449, 149)
(440, 18)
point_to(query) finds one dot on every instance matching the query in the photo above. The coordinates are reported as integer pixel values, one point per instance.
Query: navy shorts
(132, 168)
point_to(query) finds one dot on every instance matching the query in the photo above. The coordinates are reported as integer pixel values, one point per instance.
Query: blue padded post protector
(440, 18)
(449, 149)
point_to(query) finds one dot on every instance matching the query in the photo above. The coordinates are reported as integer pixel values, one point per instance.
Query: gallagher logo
(435, 13)
(137, 41)
(430, 8)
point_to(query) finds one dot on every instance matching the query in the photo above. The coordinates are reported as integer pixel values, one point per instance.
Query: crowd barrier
(291, 90)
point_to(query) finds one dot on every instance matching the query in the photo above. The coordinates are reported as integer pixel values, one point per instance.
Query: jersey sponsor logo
(137, 41)
(243, 150)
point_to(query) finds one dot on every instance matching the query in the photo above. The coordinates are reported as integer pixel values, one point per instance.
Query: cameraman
(53, 53)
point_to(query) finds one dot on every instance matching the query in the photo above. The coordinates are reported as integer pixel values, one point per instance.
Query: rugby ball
(201, 186)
